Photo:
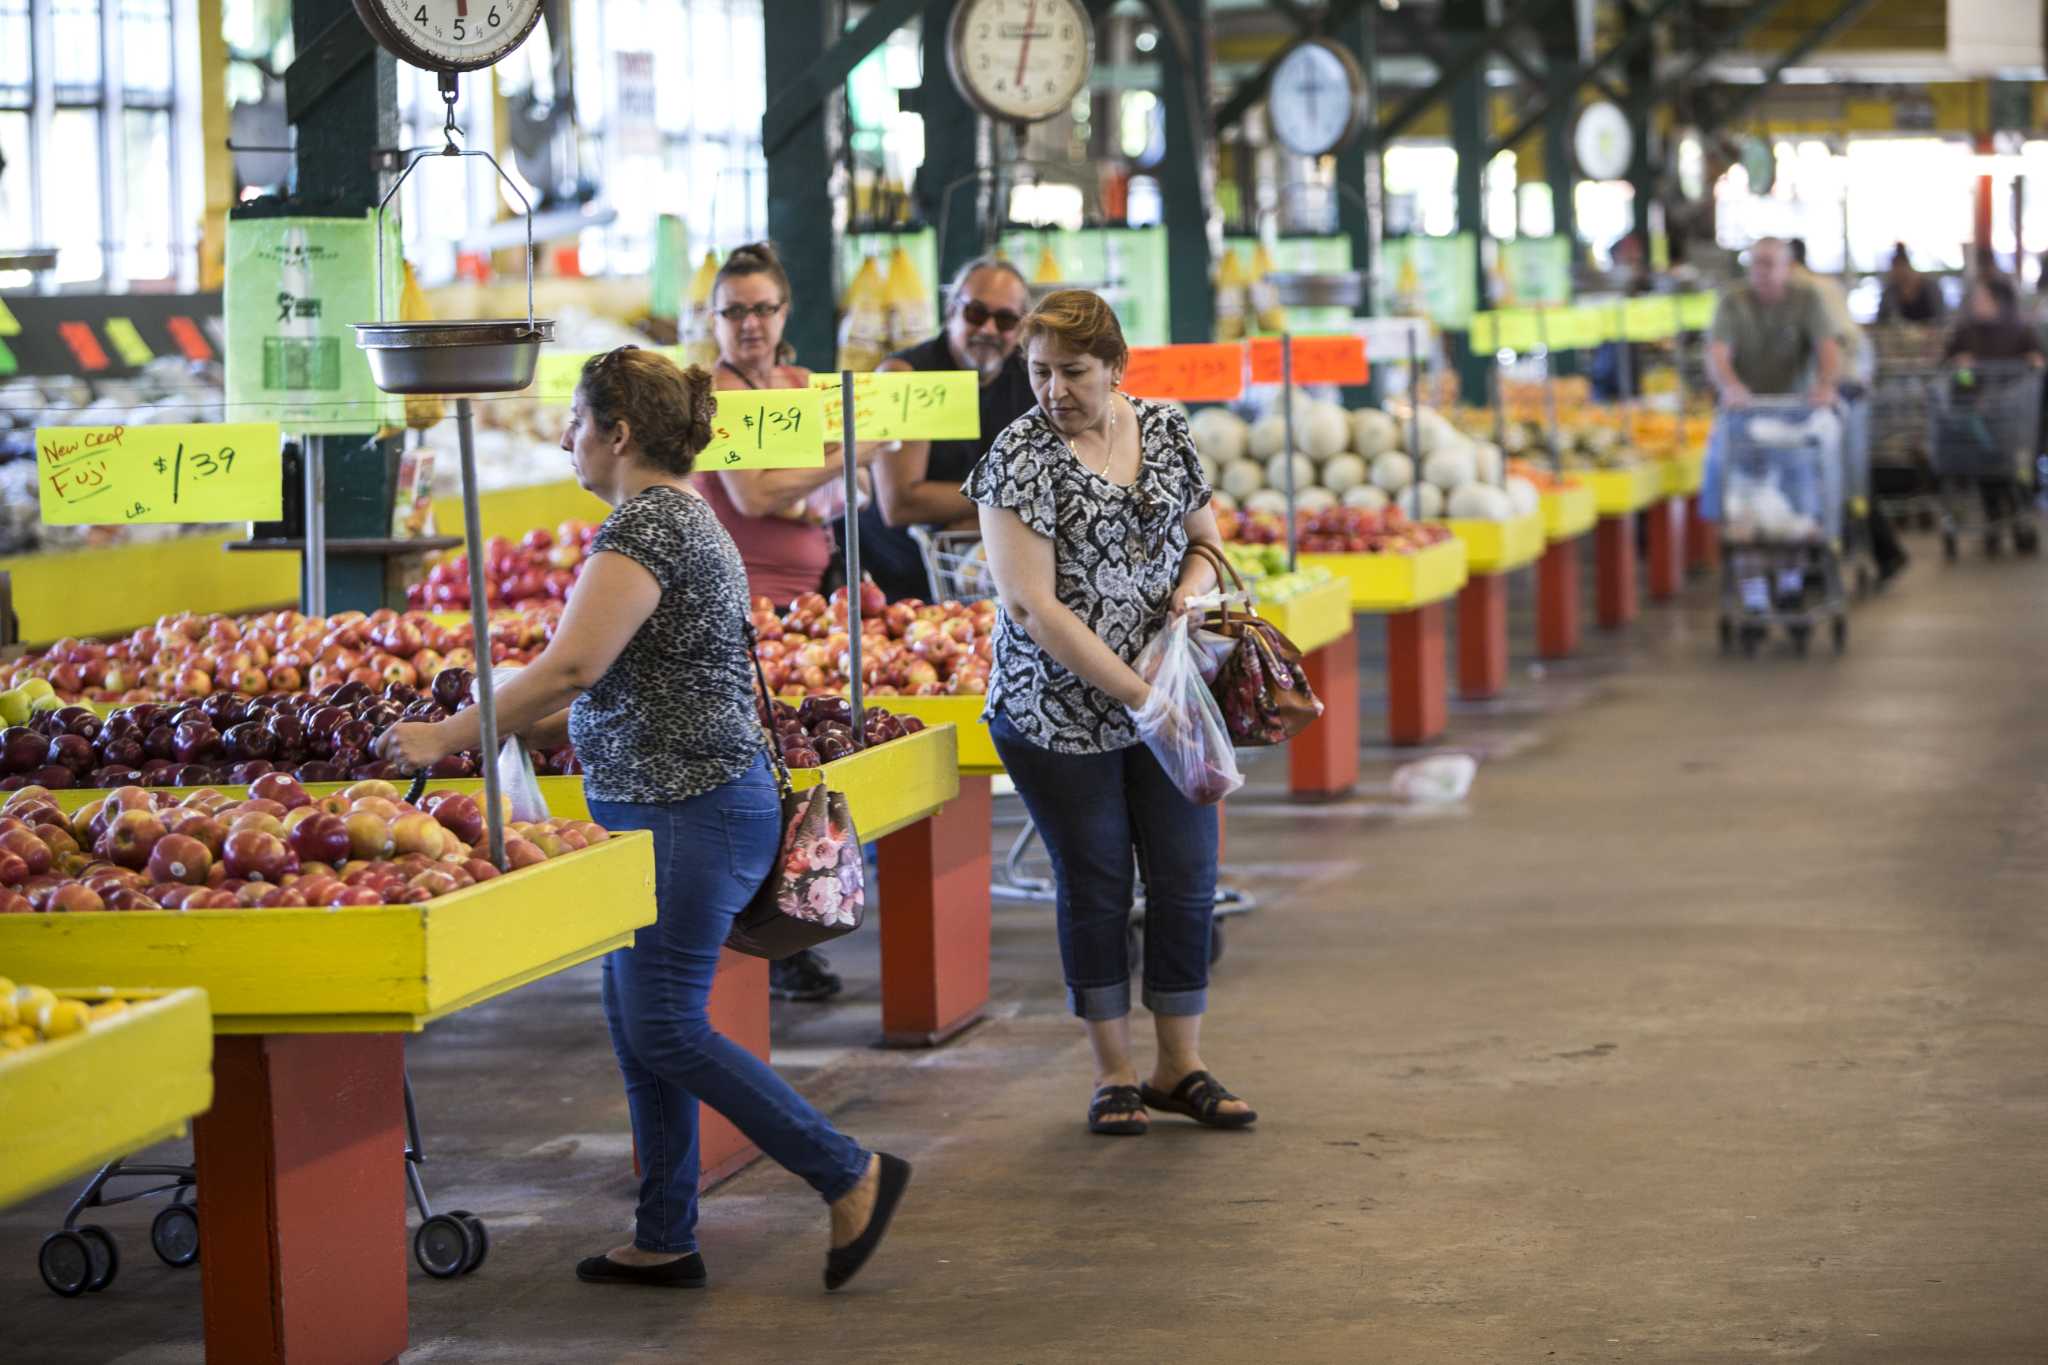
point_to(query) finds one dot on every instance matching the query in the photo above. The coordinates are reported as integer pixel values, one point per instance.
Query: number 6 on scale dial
(449, 35)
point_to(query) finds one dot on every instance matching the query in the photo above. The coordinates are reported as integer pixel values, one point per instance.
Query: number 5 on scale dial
(449, 35)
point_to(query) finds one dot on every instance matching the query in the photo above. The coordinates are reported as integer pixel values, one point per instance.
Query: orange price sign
(1211, 372)
(1317, 360)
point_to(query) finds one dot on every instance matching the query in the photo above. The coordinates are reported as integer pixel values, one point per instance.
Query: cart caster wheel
(1215, 944)
(443, 1246)
(65, 1260)
(1802, 636)
(1948, 546)
(174, 1235)
(1752, 636)
(106, 1256)
(1727, 636)
(480, 1240)
(2026, 540)
(1840, 630)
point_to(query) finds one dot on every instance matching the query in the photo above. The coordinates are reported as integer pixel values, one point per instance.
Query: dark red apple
(71, 751)
(255, 856)
(281, 788)
(320, 838)
(180, 858)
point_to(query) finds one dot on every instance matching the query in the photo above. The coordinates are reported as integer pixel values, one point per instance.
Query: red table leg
(1557, 601)
(302, 1195)
(1322, 761)
(739, 1010)
(1614, 559)
(1702, 538)
(1667, 549)
(935, 921)
(1483, 637)
(1418, 693)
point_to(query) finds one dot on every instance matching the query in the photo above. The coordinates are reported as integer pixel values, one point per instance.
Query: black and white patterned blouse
(673, 717)
(1116, 556)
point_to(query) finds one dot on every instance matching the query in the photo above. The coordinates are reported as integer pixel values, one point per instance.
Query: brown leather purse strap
(769, 739)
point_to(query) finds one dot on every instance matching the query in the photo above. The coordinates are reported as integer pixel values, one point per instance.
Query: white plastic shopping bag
(1182, 724)
(518, 786)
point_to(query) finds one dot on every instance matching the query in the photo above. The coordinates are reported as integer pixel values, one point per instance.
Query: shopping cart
(955, 563)
(1984, 432)
(80, 1258)
(1908, 358)
(1781, 502)
(1859, 558)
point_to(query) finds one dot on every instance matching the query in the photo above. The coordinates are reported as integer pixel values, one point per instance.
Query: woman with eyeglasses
(780, 518)
(918, 482)
(650, 675)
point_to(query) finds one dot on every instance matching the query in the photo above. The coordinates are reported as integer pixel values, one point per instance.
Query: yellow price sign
(193, 473)
(1696, 311)
(906, 405)
(767, 429)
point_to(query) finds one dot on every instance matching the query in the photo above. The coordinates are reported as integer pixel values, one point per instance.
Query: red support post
(1322, 761)
(935, 920)
(1702, 538)
(1483, 637)
(1418, 700)
(1667, 549)
(302, 1195)
(1557, 601)
(1614, 564)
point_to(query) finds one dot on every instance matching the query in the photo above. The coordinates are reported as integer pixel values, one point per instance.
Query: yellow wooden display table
(512, 512)
(1683, 474)
(1631, 488)
(1498, 547)
(1386, 583)
(111, 591)
(1313, 617)
(370, 969)
(1409, 590)
(123, 1084)
(1569, 513)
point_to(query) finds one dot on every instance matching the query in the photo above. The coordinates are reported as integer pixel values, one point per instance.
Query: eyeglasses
(978, 313)
(740, 312)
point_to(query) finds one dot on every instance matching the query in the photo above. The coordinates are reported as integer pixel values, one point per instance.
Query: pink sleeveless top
(785, 557)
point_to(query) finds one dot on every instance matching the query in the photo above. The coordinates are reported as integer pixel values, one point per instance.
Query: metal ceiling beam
(1753, 18)
(1464, 62)
(1844, 18)
(1638, 34)
(1254, 87)
(828, 73)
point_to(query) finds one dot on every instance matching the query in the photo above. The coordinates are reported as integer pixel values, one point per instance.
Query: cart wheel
(66, 1263)
(1801, 637)
(1215, 944)
(1727, 636)
(174, 1235)
(480, 1240)
(1840, 629)
(1948, 546)
(443, 1246)
(2026, 540)
(106, 1256)
(1752, 636)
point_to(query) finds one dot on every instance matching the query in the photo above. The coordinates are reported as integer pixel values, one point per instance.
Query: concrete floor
(1708, 1030)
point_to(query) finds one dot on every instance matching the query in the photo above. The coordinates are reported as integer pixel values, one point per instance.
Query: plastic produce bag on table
(518, 785)
(1182, 724)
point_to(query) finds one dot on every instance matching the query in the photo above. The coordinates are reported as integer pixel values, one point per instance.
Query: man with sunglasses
(918, 483)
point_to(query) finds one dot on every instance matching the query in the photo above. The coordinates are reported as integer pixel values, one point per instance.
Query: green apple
(38, 687)
(49, 703)
(14, 706)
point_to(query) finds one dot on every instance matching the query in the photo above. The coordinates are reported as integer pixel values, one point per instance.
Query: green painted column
(951, 129)
(1184, 86)
(1466, 19)
(1560, 167)
(1358, 170)
(1641, 70)
(799, 171)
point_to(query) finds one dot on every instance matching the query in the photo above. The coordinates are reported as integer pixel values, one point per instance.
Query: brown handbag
(1261, 684)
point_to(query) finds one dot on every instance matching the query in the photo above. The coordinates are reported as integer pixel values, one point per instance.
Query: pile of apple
(1337, 530)
(908, 648)
(277, 848)
(540, 566)
(37, 1014)
(820, 730)
(226, 737)
(189, 655)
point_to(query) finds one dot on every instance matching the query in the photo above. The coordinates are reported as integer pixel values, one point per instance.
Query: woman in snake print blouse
(1088, 504)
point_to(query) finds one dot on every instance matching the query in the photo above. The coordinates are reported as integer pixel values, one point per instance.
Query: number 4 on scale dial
(450, 35)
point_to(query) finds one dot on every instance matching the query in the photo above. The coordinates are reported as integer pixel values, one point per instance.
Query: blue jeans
(1094, 811)
(711, 854)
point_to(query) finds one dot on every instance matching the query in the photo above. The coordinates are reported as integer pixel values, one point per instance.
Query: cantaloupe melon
(1374, 433)
(1451, 466)
(1314, 499)
(1267, 500)
(1220, 434)
(1478, 502)
(1326, 433)
(1242, 478)
(1342, 473)
(1422, 502)
(1523, 496)
(1268, 435)
(1369, 496)
(1393, 471)
(1276, 472)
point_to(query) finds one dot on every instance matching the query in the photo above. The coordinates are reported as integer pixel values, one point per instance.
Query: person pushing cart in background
(1986, 415)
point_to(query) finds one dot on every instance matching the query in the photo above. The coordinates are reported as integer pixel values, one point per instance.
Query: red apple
(282, 788)
(520, 853)
(253, 855)
(74, 898)
(180, 858)
(130, 838)
(417, 833)
(321, 837)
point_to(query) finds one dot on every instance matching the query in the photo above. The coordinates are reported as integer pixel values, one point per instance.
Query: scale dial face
(1021, 61)
(1602, 141)
(449, 35)
(1316, 100)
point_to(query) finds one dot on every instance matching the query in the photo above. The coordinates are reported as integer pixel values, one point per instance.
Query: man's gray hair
(958, 288)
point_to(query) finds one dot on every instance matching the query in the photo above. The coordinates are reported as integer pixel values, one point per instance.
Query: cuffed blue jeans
(710, 855)
(1094, 812)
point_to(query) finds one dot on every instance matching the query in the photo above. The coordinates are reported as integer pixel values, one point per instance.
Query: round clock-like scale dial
(1020, 60)
(449, 35)
(1603, 141)
(1316, 101)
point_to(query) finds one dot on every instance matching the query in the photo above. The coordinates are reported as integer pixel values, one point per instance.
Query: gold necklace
(1109, 449)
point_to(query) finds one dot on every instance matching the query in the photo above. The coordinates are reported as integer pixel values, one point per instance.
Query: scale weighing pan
(454, 357)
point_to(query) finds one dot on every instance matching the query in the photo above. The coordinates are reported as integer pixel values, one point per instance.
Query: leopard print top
(673, 717)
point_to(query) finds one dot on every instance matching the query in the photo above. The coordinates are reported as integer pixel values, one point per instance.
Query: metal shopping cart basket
(1858, 556)
(1781, 526)
(1984, 432)
(1902, 476)
(78, 1258)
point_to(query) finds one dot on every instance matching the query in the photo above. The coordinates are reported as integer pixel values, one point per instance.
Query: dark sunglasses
(978, 314)
(740, 312)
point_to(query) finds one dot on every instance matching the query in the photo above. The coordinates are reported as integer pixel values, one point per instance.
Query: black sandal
(1118, 1099)
(1198, 1096)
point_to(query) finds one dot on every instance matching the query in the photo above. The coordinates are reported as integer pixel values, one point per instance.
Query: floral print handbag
(1261, 683)
(817, 889)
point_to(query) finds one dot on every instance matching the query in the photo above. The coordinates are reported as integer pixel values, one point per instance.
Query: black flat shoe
(1118, 1099)
(843, 1263)
(1199, 1095)
(684, 1273)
